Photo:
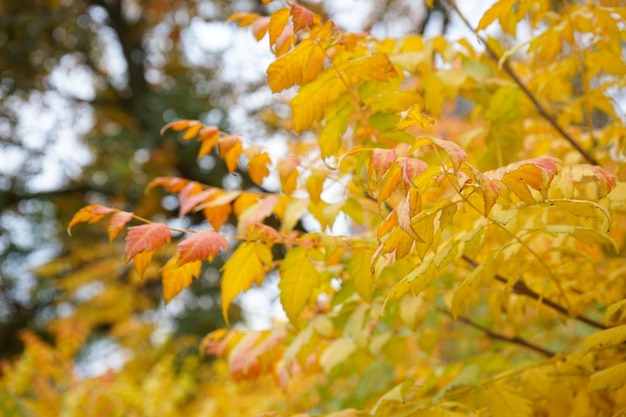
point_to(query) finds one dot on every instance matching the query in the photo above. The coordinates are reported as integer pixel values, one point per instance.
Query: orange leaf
(257, 167)
(244, 19)
(205, 244)
(288, 172)
(89, 214)
(171, 184)
(177, 277)
(245, 267)
(392, 178)
(141, 262)
(179, 125)
(278, 20)
(536, 173)
(209, 135)
(217, 215)
(147, 237)
(302, 17)
(230, 148)
(117, 223)
(244, 200)
(192, 131)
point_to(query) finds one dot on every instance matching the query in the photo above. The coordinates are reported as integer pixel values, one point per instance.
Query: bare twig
(522, 289)
(497, 336)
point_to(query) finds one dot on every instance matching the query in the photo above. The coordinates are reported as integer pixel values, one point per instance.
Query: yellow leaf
(315, 184)
(613, 310)
(335, 127)
(303, 64)
(278, 20)
(178, 277)
(141, 262)
(360, 271)
(609, 337)
(498, 10)
(245, 267)
(611, 378)
(338, 351)
(309, 104)
(505, 401)
(298, 281)
(477, 278)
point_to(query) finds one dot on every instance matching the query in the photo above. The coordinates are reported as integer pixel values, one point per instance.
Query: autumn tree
(478, 266)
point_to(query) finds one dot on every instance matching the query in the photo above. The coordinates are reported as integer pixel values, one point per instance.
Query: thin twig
(540, 108)
(497, 336)
(521, 288)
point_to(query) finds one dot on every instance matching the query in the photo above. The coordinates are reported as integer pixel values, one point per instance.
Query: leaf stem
(540, 108)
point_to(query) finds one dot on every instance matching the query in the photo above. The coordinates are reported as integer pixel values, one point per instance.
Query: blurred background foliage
(85, 87)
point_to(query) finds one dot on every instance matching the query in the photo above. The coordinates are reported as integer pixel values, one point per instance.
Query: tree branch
(497, 336)
(521, 288)
(540, 108)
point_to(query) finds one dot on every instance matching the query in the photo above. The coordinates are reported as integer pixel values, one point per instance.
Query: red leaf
(205, 244)
(264, 233)
(301, 17)
(380, 162)
(89, 214)
(147, 237)
(411, 168)
(117, 223)
(455, 152)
